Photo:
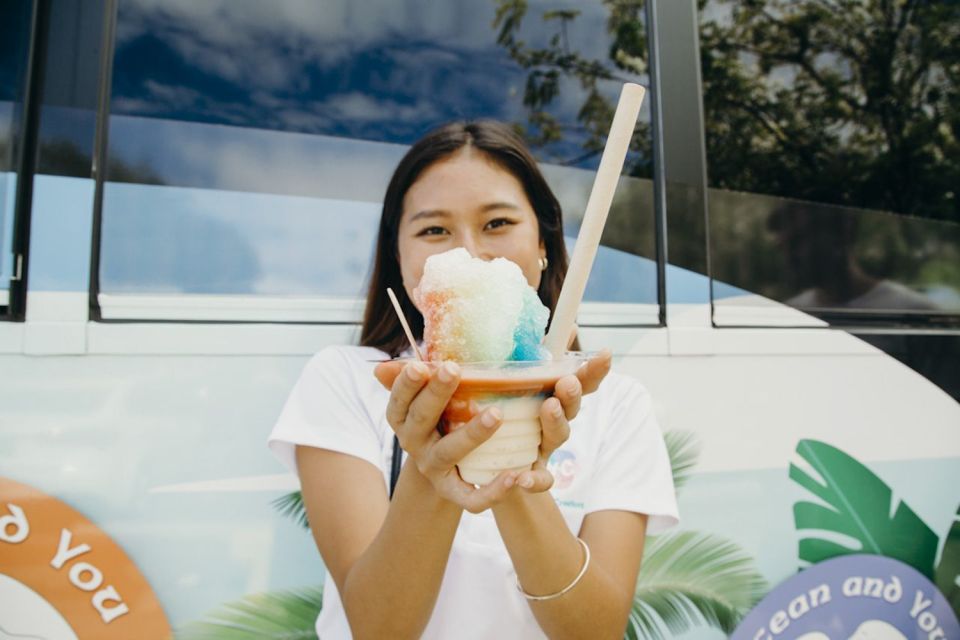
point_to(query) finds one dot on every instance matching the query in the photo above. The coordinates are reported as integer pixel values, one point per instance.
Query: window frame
(233, 309)
(13, 307)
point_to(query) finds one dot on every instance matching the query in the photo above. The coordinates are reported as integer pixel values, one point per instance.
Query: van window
(832, 158)
(250, 143)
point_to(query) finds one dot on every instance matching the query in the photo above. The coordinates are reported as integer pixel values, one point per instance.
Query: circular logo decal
(856, 597)
(61, 577)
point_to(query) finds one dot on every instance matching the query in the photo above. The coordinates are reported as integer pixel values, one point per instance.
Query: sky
(373, 69)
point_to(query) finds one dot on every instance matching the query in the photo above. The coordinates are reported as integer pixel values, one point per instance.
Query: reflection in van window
(846, 118)
(251, 143)
(848, 107)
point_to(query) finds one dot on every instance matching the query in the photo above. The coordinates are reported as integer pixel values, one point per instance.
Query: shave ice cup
(517, 389)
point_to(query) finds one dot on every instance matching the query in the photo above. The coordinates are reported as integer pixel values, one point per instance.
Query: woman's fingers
(419, 395)
(536, 480)
(404, 388)
(453, 447)
(425, 410)
(478, 499)
(556, 428)
(569, 391)
(594, 371)
(387, 372)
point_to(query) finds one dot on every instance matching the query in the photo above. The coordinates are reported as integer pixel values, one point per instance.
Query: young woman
(553, 551)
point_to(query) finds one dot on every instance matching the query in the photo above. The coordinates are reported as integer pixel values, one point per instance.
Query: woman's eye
(498, 222)
(432, 231)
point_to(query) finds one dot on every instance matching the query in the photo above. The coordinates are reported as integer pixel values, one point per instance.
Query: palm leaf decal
(286, 615)
(857, 505)
(291, 505)
(948, 570)
(683, 450)
(688, 578)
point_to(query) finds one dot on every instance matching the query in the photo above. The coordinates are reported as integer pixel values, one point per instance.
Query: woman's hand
(556, 413)
(417, 400)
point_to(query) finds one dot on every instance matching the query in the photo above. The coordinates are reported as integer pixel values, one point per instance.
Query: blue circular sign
(861, 597)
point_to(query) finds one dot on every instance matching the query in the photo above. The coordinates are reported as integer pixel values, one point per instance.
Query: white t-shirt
(615, 458)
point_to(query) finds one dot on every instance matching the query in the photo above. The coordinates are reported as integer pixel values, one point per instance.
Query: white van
(189, 194)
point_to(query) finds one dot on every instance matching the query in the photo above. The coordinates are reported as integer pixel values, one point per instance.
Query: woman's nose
(475, 247)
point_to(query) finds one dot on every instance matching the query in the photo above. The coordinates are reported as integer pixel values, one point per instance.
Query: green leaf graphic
(291, 505)
(688, 578)
(286, 615)
(948, 570)
(683, 450)
(858, 505)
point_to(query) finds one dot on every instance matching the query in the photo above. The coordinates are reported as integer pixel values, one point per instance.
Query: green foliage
(859, 508)
(947, 575)
(688, 578)
(843, 105)
(549, 66)
(291, 505)
(282, 615)
(683, 450)
(848, 103)
(858, 505)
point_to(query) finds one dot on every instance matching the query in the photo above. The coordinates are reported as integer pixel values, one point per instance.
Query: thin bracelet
(583, 570)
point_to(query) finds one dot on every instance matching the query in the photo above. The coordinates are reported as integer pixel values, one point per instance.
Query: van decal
(66, 577)
(855, 596)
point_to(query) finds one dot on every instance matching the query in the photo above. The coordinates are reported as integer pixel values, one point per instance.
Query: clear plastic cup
(517, 389)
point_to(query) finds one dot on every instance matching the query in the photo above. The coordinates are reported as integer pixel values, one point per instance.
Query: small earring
(543, 263)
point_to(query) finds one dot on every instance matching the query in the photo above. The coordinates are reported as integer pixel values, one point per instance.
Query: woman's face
(467, 201)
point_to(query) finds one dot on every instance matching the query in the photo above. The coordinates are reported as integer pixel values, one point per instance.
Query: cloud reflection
(333, 67)
(302, 110)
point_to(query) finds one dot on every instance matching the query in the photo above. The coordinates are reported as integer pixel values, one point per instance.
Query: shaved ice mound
(479, 311)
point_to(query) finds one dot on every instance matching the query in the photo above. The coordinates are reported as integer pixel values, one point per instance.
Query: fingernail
(416, 372)
(448, 371)
(490, 418)
(508, 481)
(527, 482)
(556, 409)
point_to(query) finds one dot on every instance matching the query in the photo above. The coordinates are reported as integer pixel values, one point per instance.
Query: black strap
(395, 465)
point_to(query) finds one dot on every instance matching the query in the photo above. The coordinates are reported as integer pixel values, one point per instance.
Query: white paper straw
(594, 218)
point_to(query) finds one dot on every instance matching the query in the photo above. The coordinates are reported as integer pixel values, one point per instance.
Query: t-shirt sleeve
(632, 471)
(326, 409)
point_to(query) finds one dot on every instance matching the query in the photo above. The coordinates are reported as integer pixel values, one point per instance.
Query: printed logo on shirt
(563, 465)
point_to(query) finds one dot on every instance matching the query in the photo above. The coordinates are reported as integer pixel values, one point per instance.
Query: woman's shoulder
(617, 386)
(352, 356)
(347, 368)
(620, 398)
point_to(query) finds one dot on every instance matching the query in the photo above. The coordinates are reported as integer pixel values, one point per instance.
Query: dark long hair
(500, 144)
